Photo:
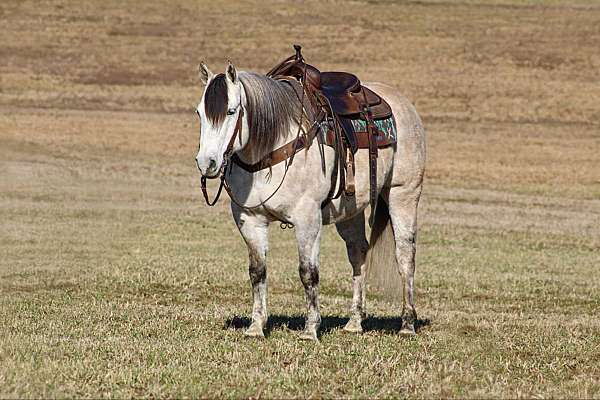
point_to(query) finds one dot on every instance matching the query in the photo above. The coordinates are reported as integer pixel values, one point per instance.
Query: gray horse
(250, 115)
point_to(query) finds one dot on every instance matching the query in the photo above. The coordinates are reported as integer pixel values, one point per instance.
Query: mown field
(117, 281)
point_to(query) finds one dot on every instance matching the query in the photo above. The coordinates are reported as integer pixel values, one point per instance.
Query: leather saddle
(340, 92)
(341, 100)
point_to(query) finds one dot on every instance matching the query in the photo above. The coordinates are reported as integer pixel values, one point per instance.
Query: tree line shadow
(387, 325)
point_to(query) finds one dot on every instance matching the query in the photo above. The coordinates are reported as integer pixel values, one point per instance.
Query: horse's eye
(231, 111)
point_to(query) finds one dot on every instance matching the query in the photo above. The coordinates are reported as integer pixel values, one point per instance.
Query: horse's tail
(382, 268)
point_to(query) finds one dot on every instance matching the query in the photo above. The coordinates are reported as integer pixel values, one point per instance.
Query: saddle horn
(298, 49)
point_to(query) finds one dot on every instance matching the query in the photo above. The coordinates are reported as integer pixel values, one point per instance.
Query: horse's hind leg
(254, 230)
(403, 203)
(353, 233)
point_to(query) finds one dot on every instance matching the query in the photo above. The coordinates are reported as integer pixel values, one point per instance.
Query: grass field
(117, 281)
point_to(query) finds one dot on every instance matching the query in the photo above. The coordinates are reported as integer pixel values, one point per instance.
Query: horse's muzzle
(211, 171)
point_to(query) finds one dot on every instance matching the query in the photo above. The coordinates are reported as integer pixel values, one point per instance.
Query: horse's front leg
(308, 234)
(254, 230)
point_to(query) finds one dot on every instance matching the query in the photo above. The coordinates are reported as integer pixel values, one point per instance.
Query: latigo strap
(372, 134)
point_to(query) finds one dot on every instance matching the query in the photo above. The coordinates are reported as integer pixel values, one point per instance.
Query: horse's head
(221, 118)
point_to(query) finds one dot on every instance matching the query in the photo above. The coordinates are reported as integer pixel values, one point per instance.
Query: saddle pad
(386, 133)
(386, 127)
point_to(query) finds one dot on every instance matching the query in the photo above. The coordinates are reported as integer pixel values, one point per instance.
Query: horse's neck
(251, 156)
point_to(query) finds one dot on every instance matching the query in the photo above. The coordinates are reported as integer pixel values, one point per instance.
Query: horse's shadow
(388, 325)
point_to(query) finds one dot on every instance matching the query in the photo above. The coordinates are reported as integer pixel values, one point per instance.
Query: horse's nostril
(212, 164)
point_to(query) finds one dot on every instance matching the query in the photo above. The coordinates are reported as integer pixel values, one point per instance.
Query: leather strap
(205, 191)
(276, 156)
(339, 147)
(236, 131)
(372, 132)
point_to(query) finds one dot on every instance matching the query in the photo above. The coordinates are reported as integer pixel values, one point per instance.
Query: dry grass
(116, 281)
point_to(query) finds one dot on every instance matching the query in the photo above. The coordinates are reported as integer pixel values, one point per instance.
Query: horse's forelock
(216, 100)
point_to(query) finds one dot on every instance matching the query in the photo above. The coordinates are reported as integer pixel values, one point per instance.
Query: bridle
(225, 163)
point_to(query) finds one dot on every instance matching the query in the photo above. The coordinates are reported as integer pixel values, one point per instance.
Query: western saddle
(332, 100)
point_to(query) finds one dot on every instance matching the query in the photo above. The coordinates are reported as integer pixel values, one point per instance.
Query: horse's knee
(257, 267)
(257, 272)
(309, 274)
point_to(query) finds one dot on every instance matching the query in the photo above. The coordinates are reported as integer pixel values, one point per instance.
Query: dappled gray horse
(246, 116)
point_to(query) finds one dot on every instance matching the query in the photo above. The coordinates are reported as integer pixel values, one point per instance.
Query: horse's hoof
(353, 326)
(309, 335)
(408, 330)
(255, 331)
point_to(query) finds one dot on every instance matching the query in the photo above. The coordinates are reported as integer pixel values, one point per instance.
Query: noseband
(225, 163)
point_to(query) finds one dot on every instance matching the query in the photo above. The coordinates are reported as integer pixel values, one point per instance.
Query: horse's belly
(347, 207)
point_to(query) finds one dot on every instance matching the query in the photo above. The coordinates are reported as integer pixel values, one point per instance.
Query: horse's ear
(205, 74)
(231, 72)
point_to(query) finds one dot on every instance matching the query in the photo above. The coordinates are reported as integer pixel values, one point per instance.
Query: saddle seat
(346, 95)
(334, 83)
